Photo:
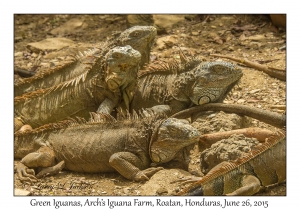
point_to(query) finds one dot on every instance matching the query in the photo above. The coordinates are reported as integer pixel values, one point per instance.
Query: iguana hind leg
(251, 185)
(129, 165)
(43, 157)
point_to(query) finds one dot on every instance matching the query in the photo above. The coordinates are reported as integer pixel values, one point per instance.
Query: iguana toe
(140, 177)
(51, 170)
(25, 174)
(146, 174)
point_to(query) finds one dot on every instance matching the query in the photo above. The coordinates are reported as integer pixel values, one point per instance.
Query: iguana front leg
(107, 106)
(129, 165)
(109, 103)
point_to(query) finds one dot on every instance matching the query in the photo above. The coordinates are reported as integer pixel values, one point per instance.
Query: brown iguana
(83, 94)
(265, 165)
(180, 85)
(140, 38)
(103, 145)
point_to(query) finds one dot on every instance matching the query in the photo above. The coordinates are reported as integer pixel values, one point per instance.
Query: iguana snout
(172, 136)
(121, 67)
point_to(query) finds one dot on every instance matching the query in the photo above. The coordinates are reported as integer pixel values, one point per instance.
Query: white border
(9, 8)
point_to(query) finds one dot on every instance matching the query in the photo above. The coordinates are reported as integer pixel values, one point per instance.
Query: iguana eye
(116, 55)
(135, 33)
(218, 69)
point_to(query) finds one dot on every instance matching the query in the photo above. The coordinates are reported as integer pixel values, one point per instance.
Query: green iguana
(103, 144)
(89, 92)
(180, 85)
(140, 38)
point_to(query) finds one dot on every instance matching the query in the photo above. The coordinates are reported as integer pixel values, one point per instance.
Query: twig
(279, 74)
(266, 116)
(24, 73)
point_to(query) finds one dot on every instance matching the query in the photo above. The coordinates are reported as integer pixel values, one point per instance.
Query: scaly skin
(126, 146)
(140, 38)
(265, 165)
(178, 86)
(87, 93)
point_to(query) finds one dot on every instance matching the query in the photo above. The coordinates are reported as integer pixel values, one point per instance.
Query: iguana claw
(24, 173)
(51, 170)
(145, 174)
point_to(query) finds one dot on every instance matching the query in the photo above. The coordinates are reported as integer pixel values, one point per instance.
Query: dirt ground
(243, 36)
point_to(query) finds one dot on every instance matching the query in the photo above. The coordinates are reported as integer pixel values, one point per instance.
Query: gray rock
(163, 23)
(20, 192)
(50, 44)
(139, 20)
(160, 182)
(18, 54)
(70, 27)
(166, 42)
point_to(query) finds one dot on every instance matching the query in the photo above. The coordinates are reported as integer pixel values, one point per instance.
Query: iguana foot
(51, 170)
(24, 173)
(147, 173)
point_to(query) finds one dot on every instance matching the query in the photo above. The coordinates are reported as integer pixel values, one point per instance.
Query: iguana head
(207, 82)
(140, 38)
(122, 64)
(172, 136)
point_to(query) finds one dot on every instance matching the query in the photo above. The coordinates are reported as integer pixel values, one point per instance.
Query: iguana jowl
(140, 38)
(180, 85)
(84, 94)
(126, 146)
